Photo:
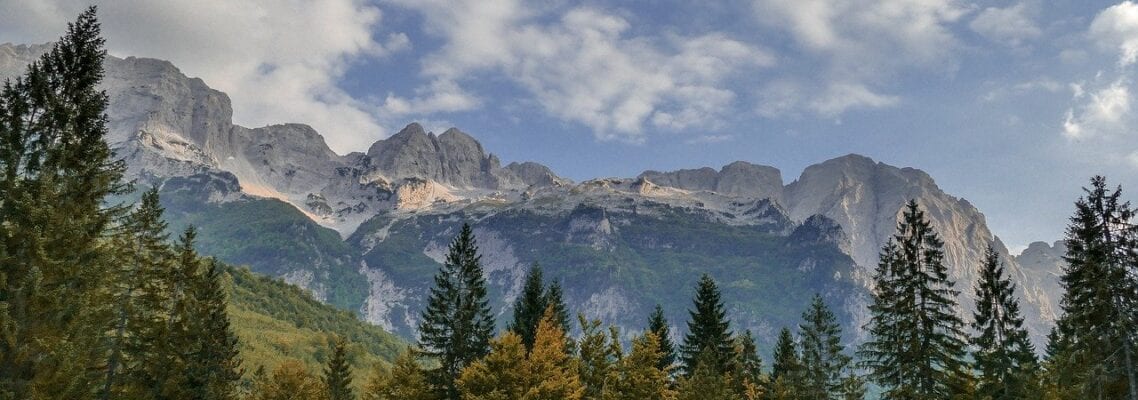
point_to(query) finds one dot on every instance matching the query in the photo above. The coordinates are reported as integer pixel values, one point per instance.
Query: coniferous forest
(97, 301)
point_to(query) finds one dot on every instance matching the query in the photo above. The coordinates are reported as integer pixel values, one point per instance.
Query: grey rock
(739, 178)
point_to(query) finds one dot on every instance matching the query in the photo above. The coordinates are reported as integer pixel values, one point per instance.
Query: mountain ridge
(173, 128)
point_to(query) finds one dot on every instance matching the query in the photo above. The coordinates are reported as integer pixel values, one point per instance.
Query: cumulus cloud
(1011, 25)
(860, 44)
(1117, 28)
(1105, 112)
(279, 60)
(581, 65)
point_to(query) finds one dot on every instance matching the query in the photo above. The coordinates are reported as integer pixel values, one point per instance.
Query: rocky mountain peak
(739, 178)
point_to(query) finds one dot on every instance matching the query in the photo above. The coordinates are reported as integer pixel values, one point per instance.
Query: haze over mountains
(366, 230)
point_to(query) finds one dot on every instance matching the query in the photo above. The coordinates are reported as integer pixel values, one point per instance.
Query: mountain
(366, 231)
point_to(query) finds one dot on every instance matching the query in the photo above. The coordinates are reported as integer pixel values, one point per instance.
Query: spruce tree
(501, 375)
(823, 362)
(551, 370)
(598, 351)
(709, 331)
(529, 307)
(917, 346)
(55, 172)
(338, 374)
(554, 298)
(658, 325)
(1100, 304)
(213, 364)
(637, 377)
(748, 373)
(1002, 354)
(786, 367)
(457, 323)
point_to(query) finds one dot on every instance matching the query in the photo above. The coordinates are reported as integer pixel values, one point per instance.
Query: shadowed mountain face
(366, 231)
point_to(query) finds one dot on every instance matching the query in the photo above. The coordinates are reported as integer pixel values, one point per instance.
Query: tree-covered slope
(276, 321)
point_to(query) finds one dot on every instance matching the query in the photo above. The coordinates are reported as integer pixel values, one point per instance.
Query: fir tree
(136, 346)
(1002, 355)
(658, 325)
(708, 331)
(457, 323)
(598, 351)
(213, 363)
(917, 344)
(554, 298)
(704, 383)
(823, 362)
(748, 373)
(786, 368)
(529, 307)
(1100, 303)
(55, 172)
(338, 374)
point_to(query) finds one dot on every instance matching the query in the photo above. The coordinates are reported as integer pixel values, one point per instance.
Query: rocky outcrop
(739, 178)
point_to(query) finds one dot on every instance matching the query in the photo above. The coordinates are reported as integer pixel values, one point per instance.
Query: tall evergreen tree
(748, 373)
(213, 361)
(457, 323)
(1002, 354)
(823, 362)
(786, 368)
(1100, 304)
(917, 346)
(56, 169)
(136, 344)
(555, 298)
(708, 331)
(598, 351)
(405, 381)
(338, 373)
(529, 307)
(636, 376)
(658, 325)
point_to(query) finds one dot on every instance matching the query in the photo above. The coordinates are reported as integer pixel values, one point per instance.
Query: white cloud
(1117, 28)
(860, 44)
(1106, 112)
(1011, 26)
(279, 60)
(583, 65)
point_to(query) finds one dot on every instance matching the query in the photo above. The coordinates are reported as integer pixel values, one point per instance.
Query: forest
(98, 302)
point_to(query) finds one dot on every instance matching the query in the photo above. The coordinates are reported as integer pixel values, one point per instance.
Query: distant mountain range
(366, 231)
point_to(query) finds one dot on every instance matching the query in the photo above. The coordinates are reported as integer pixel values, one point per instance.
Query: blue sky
(1012, 105)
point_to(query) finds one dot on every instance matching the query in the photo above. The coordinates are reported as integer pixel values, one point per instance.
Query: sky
(1012, 105)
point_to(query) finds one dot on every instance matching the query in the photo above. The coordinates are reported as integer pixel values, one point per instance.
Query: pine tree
(786, 368)
(338, 374)
(1100, 303)
(1002, 355)
(708, 331)
(823, 362)
(529, 307)
(405, 381)
(55, 172)
(457, 323)
(637, 376)
(917, 345)
(658, 325)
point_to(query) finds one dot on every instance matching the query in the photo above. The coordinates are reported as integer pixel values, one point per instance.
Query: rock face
(395, 206)
(739, 178)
